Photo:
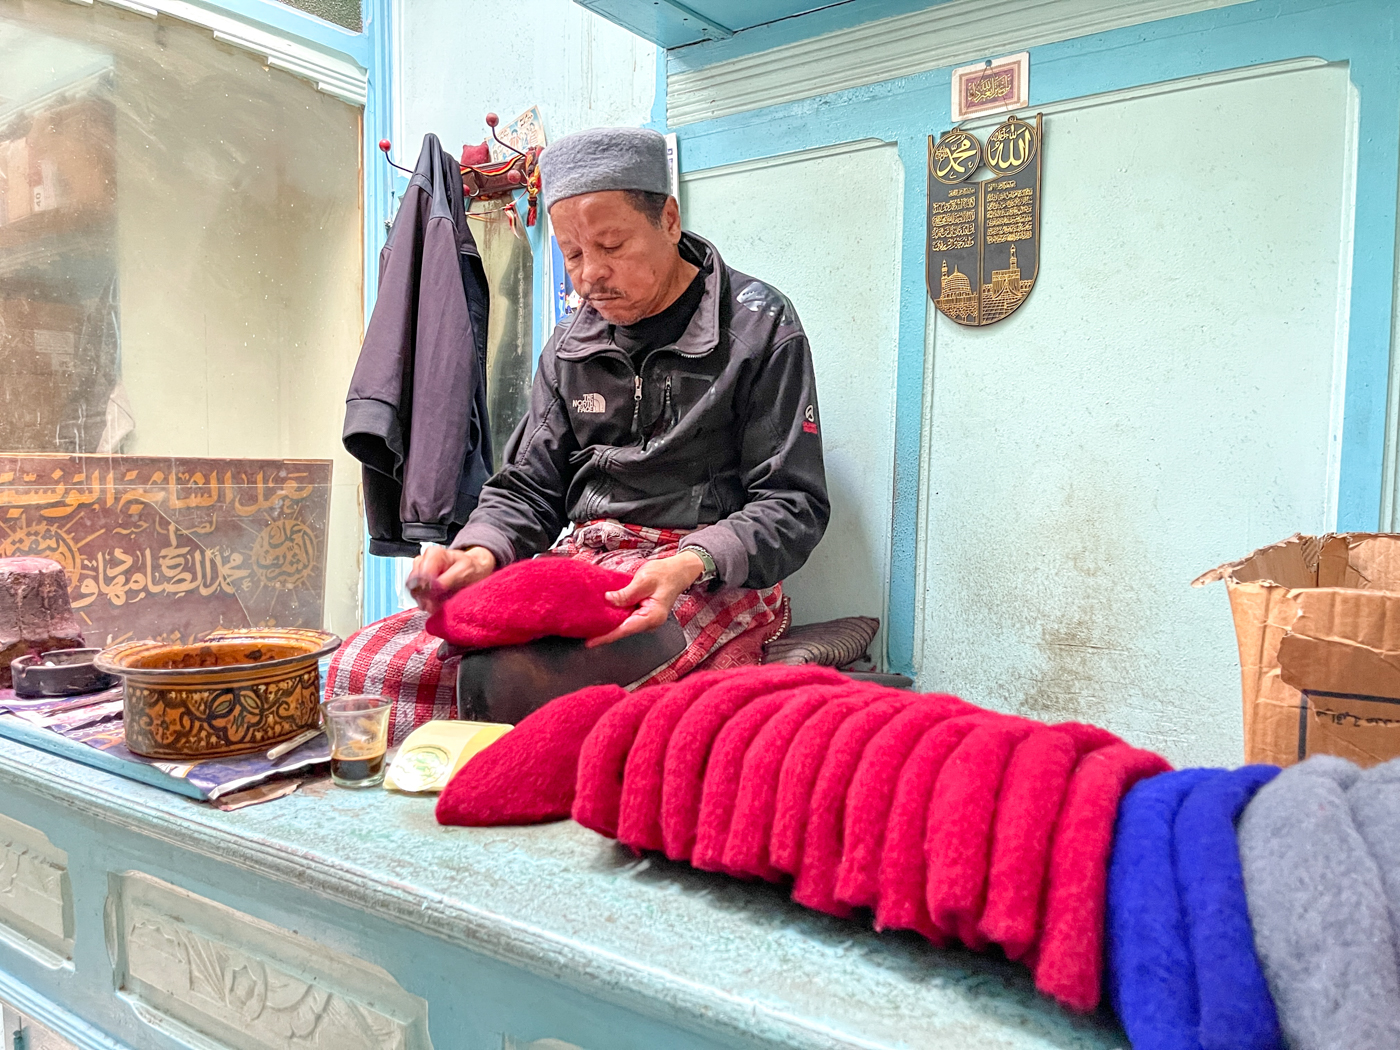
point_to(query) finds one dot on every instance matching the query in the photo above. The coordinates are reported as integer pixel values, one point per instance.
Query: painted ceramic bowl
(231, 693)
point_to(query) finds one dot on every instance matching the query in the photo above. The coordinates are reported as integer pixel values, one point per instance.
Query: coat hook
(491, 121)
(385, 145)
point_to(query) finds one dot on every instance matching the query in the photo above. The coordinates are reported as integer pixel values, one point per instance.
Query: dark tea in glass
(358, 730)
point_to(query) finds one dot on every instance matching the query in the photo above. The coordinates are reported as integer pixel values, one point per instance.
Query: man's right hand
(439, 571)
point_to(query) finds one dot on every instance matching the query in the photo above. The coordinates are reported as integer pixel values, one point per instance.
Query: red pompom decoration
(476, 156)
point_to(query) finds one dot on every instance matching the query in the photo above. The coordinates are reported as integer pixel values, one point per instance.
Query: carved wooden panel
(156, 547)
(233, 980)
(36, 900)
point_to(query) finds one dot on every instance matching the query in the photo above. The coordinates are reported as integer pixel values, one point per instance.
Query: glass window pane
(180, 252)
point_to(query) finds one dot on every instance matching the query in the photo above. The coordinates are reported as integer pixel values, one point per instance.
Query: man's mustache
(603, 293)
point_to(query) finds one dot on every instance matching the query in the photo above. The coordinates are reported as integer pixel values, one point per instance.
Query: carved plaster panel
(226, 979)
(36, 899)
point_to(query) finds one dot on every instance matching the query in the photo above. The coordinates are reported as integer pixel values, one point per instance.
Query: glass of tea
(358, 729)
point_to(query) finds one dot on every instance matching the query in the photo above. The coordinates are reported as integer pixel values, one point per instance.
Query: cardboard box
(1317, 619)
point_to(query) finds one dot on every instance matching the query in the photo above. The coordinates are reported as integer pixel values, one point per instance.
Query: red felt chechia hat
(532, 599)
(826, 812)
(528, 776)
(1031, 795)
(722, 775)
(639, 809)
(688, 750)
(746, 850)
(598, 789)
(901, 904)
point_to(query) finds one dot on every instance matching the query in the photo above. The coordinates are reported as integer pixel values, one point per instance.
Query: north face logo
(590, 404)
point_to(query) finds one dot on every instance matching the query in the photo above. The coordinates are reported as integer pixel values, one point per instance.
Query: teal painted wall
(1203, 369)
(1162, 403)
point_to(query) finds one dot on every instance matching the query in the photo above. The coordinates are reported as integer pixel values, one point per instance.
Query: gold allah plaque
(983, 251)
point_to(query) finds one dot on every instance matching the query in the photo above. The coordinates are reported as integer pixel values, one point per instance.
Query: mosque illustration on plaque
(955, 297)
(1005, 292)
(957, 301)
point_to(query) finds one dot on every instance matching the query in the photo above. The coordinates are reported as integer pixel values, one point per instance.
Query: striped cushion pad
(835, 643)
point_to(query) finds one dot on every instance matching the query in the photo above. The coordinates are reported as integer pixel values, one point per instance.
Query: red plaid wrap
(396, 658)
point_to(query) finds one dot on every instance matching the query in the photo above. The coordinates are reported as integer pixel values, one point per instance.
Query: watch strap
(707, 560)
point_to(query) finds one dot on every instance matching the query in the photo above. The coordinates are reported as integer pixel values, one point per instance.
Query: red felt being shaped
(751, 827)
(1031, 794)
(821, 848)
(1069, 959)
(722, 776)
(528, 776)
(688, 751)
(958, 833)
(901, 904)
(639, 809)
(603, 757)
(798, 776)
(872, 792)
(530, 600)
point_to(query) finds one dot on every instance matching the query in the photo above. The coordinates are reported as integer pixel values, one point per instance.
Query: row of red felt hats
(961, 823)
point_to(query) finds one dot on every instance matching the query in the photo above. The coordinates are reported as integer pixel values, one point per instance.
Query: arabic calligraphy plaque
(983, 250)
(171, 549)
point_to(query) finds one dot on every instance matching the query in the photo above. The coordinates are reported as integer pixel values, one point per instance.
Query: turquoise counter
(130, 917)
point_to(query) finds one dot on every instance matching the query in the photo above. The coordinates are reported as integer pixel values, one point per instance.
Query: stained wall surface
(1164, 401)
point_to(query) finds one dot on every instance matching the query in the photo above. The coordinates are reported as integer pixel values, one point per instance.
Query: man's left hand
(653, 591)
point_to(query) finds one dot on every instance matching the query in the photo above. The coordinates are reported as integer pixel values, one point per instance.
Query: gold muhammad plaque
(983, 252)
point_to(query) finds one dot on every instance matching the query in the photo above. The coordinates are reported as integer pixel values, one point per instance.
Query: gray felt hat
(604, 159)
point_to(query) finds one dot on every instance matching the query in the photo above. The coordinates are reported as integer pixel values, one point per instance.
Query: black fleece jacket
(718, 433)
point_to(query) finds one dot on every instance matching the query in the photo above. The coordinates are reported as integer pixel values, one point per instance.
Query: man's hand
(439, 571)
(654, 591)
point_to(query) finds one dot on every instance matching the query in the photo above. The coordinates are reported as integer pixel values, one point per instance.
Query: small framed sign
(992, 86)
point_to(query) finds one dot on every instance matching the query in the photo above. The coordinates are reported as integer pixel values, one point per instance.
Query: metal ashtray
(61, 672)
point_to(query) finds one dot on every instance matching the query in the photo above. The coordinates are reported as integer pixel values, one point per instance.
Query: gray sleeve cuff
(731, 559)
(487, 536)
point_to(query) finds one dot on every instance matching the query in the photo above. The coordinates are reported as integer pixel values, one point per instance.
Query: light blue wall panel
(1166, 400)
(843, 279)
(1360, 33)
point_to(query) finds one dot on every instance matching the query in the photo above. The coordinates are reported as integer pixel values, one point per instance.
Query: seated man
(673, 419)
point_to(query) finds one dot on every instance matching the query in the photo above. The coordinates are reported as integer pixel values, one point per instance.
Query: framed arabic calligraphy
(983, 248)
(170, 549)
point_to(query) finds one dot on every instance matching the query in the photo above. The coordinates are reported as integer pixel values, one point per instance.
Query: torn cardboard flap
(1288, 563)
(1343, 641)
(1318, 615)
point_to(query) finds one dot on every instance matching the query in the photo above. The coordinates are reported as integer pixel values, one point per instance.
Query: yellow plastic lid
(435, 751)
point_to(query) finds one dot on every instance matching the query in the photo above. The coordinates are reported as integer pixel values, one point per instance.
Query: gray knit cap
(604, 159)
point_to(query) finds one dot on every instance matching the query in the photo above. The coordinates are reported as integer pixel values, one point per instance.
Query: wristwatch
(709, 572)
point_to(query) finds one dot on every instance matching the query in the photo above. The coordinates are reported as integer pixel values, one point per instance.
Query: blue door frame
(1361, 33)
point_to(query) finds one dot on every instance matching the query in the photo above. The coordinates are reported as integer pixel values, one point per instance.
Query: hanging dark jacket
(718, 433)
(416, 412)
